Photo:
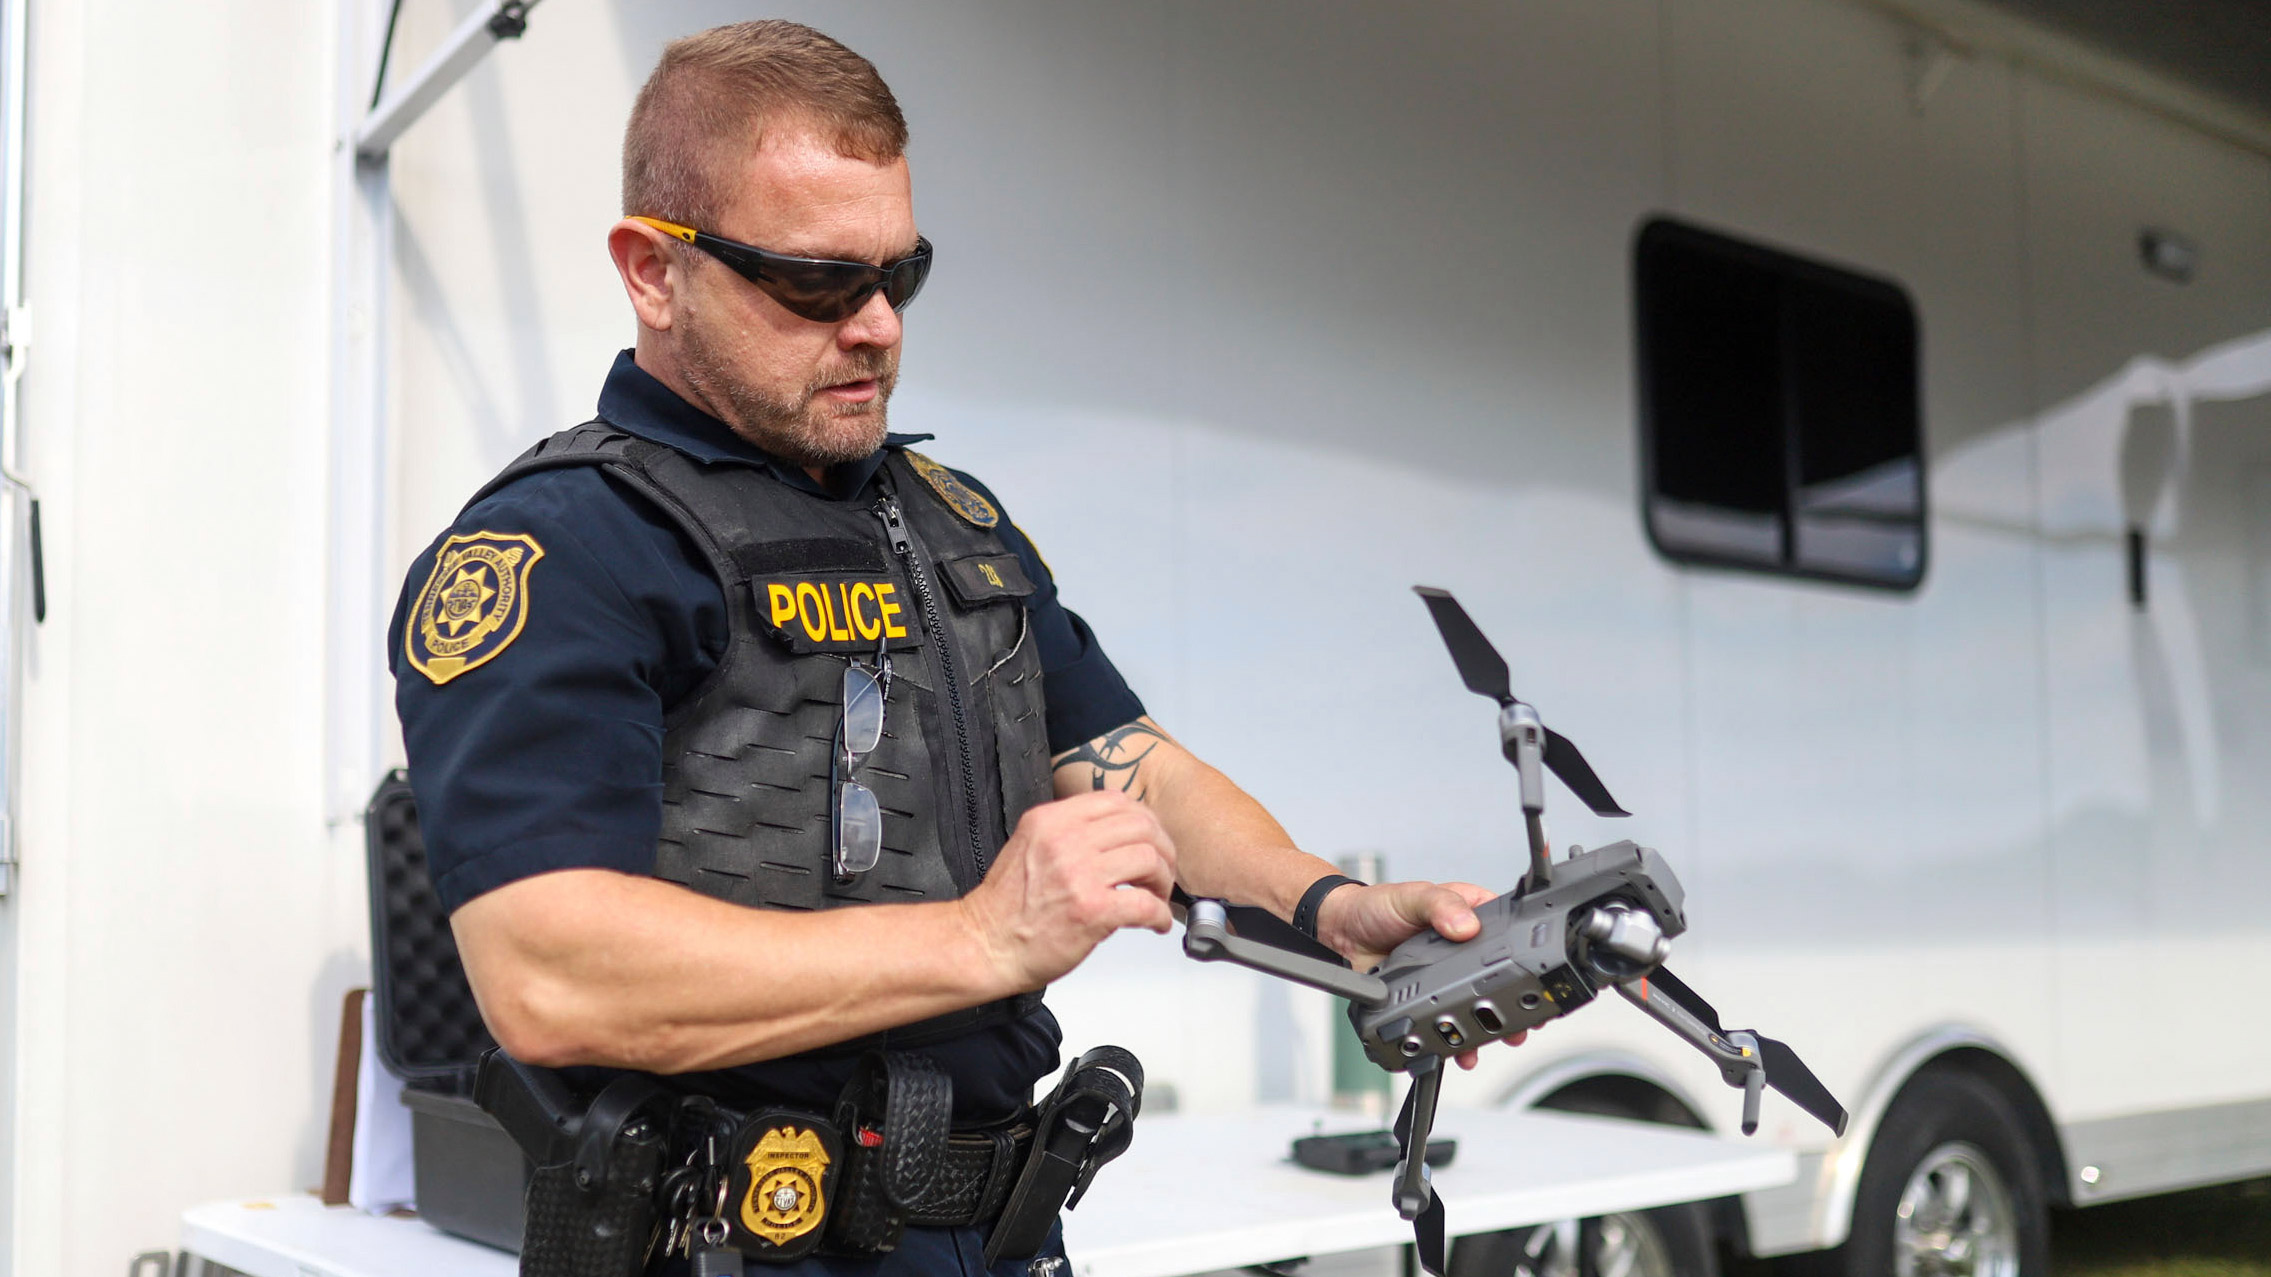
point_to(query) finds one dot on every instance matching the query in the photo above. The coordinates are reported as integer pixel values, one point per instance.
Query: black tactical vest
(917, 575)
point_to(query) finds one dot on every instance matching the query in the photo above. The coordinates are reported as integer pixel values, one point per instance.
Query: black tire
(1965, 1128)
(1672, 1241)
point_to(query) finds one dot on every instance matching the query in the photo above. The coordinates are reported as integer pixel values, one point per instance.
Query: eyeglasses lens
(863, 710)
(907, 278)
(859, 829)
(827, 292)
(823, 292)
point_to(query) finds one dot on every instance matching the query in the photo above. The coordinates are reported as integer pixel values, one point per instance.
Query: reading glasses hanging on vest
(854, 817)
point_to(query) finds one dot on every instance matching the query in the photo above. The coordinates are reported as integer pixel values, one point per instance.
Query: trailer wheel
(1674, 1241)
(1951, 1186)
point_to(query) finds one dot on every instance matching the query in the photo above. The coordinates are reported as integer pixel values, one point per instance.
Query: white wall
(185, 923)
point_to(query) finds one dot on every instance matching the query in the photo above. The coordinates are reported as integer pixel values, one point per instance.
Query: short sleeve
(547, 753)
(1085, 693)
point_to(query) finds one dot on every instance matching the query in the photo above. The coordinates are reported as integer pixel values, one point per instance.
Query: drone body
(1600, 918)
(1535, 958)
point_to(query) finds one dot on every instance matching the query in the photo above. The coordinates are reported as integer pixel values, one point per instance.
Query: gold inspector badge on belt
(779, 1191)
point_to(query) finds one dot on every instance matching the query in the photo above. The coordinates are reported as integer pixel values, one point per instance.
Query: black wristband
(1305, 913)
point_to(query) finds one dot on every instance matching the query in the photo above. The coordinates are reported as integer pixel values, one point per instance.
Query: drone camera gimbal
(1603, 918)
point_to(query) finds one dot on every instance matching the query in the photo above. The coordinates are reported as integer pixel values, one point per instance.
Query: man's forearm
(1227, 844)
(587, 966)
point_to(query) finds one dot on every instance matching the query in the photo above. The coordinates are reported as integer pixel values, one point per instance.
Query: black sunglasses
(813, 288)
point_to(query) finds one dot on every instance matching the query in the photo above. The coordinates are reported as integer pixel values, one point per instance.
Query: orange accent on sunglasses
(668, 228)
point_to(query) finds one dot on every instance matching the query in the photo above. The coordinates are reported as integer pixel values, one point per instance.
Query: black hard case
(471, 1177)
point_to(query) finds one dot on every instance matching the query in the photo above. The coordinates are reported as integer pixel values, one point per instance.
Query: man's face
(810, 393)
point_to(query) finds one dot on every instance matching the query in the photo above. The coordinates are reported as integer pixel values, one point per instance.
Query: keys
(678, 1196)
(712, 1257)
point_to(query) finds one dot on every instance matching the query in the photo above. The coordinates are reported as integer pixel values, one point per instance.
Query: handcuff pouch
(895, 1113)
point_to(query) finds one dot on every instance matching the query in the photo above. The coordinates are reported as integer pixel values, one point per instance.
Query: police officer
(747, 738)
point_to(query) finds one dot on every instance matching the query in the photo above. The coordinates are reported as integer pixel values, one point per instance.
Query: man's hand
(1231, 848)
(1363, 924)
(1073, 872)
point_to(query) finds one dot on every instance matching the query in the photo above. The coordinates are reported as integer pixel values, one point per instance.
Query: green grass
(2209, 1232)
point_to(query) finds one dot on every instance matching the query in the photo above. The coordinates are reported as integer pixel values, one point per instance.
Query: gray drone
(1600, 917)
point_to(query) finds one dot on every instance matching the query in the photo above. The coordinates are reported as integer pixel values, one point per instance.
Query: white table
(1194, 1193)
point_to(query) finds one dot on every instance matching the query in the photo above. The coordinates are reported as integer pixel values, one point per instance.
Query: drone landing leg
(1416, 1199)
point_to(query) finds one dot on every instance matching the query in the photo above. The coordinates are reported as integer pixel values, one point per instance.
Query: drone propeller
(1789, 1075)
(1484, 672)
(1563, 760)
(1480, 665)
(1784, 1071)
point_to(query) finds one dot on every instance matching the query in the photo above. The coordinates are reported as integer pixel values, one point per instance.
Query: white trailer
(1254, 315)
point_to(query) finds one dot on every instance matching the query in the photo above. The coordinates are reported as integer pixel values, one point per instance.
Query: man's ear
(651, 268)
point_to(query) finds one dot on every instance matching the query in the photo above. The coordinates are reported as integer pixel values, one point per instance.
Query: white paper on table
(382, 1179)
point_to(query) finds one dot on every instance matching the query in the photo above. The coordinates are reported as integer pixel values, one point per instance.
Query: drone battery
(1362, 1152)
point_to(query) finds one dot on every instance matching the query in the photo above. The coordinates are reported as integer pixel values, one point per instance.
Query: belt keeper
(999, 1174)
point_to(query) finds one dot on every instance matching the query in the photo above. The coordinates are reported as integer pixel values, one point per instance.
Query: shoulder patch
(473, 605)
(959, 496)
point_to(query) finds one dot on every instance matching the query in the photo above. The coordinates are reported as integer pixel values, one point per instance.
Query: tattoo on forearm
(1115, 759)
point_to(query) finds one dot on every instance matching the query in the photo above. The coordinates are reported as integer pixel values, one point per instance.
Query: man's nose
(874, 324)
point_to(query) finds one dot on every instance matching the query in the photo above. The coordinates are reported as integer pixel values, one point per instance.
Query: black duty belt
(640, 1178)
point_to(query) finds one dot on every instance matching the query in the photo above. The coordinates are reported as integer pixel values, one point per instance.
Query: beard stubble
(800, 430)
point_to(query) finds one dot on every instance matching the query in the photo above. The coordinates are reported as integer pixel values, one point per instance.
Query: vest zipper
(903, 545)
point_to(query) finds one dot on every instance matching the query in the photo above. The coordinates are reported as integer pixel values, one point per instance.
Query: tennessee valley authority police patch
(473, 605)
(960, 497)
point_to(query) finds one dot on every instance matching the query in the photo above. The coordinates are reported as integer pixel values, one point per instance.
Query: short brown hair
(716, 92)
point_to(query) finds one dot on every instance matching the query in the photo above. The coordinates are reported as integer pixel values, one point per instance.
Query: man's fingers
(1133, 825)
(1129, 825)
(1467, 1059)
(1093, 804)
(1449, 913)
(1141, 866)
(1139, 909)
(1472, 894)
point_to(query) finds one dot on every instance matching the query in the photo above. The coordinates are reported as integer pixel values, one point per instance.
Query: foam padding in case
(429, 1031)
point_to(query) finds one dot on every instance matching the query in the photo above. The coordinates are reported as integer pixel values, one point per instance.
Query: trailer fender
(1841, 1168)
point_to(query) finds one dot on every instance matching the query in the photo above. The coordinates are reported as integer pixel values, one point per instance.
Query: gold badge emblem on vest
(473, 605)
(960, 497)
(786, 1171)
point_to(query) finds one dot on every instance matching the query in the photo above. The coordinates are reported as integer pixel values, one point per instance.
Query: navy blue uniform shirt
(548, 754)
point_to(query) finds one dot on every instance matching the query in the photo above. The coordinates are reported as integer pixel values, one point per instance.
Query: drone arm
(1746, 1059)
(1736, 1054)
(1206, 936)
(1523, 738)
